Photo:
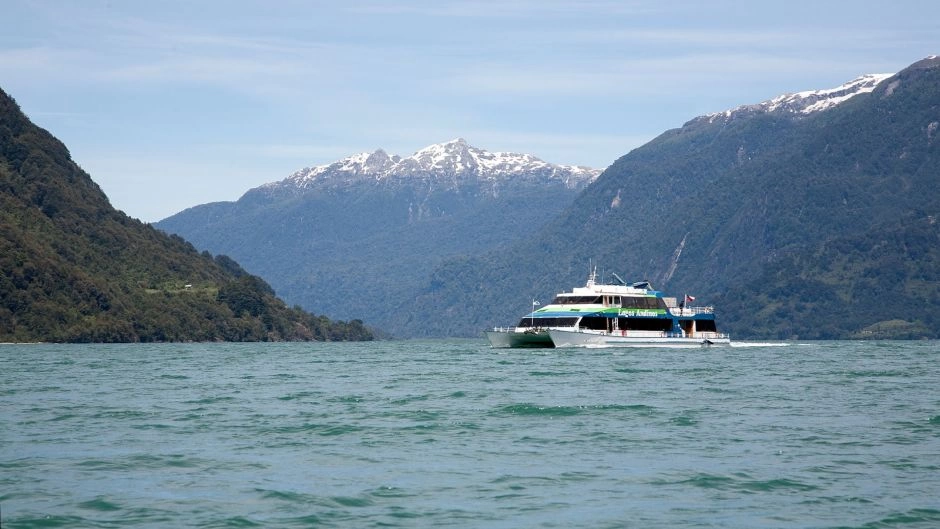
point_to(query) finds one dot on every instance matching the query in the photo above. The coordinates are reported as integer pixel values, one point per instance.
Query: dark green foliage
(886, 282)
(245, 295)
(820, 226)
(74, 269)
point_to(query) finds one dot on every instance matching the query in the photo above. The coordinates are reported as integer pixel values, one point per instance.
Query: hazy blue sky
(170, 104)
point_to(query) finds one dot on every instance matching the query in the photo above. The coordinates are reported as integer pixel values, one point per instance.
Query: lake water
(455, 434)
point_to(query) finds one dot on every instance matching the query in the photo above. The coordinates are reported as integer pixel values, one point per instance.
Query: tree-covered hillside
(74, 269)
(814, 225)
(885, 283)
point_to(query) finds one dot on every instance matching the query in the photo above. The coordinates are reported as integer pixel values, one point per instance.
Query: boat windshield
(643, 302)
(577, 300)
(547, 322)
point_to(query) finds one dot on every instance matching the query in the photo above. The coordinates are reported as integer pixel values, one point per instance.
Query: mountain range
(810, 215)
(356, 237)
(452, 165)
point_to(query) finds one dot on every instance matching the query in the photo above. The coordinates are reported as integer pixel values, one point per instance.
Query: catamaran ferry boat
(609, 315)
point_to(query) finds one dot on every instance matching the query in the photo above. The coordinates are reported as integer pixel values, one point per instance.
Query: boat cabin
(625, 309)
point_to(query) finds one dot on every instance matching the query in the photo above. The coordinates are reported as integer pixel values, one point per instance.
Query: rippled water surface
(455, 434)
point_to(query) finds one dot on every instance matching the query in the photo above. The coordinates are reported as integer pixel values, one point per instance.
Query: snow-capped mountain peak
(454, 161)
(807, 102)
(454, 156)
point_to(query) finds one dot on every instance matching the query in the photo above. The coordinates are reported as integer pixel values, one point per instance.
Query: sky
(172, 104)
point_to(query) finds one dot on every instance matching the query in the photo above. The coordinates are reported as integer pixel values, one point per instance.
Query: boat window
(645, 324)
(577, 300)
(598, 323)
(643, 302)
(705, 326)
(547, 322)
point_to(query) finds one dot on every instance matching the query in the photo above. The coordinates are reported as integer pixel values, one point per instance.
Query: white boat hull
(561, 338)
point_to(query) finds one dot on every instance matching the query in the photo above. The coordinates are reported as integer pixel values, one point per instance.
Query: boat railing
(711, 335)
(518, 329)
(692, 311)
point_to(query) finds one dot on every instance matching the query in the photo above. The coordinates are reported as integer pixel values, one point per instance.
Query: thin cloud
(660, 75)
(205, 69)
(503, 8)
(313, 154)
(39, 59)
(799, 40)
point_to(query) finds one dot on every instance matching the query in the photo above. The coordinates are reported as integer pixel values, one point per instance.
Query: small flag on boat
(535, 302)
(689, 299)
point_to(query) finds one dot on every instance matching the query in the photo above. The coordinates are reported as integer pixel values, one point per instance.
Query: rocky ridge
(806, 102)
(454, 162)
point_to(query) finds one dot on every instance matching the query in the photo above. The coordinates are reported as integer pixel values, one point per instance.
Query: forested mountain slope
(74, 269)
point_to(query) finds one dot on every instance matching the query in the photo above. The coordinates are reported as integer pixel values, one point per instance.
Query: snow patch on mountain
(807, 102)
(455, 161)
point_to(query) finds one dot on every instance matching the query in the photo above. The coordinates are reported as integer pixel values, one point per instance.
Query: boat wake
(759, 344)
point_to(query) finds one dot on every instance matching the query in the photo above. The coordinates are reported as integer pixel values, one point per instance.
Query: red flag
(689, 298)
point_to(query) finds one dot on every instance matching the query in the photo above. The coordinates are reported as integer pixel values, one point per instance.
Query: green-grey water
(455, 434)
